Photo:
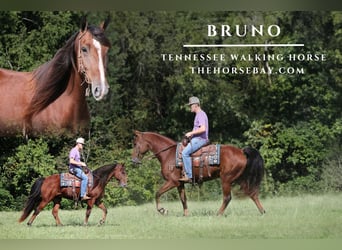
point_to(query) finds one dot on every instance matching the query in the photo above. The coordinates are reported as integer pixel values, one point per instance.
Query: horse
(51, 98)
(45, 190)
(242, 166)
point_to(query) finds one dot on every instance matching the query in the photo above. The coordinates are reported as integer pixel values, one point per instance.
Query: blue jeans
(84, 180)
(195, 144)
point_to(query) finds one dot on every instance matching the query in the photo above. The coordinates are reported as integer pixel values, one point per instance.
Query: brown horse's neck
(74, 98)
(77, 87)
(161, 146)
(69, 112)
(105, 176)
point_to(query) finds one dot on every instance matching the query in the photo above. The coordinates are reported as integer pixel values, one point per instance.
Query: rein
(160, 151)
(140, 156)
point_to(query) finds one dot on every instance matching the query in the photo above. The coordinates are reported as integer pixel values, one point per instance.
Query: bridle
(80, 66)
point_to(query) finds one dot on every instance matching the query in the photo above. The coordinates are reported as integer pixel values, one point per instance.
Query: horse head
(91, 48)
(140, 145)
(120, 174)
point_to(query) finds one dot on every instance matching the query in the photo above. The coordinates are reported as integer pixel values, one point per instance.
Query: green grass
(305, 217)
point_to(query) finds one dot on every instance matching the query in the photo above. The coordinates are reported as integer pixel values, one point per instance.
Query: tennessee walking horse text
(52, 97)
(49, 189)
(242, 166)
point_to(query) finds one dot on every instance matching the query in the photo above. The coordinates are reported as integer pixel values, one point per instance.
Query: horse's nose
(97, 92)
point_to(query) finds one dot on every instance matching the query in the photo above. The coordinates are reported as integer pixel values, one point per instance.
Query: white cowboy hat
(80, 140)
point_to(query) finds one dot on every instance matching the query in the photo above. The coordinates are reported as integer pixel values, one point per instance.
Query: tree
(293, 119)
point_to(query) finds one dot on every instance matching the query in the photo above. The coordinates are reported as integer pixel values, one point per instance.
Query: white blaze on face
(101, 69)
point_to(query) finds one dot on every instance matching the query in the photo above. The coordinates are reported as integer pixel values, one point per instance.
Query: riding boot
(185, 178)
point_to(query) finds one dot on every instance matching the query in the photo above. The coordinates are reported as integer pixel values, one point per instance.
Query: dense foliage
(293, 119)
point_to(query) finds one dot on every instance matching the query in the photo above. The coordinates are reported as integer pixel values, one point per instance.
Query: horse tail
(253, 174)
(33, 200)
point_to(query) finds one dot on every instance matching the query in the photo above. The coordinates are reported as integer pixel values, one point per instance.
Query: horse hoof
(163, 211)
(101, 222)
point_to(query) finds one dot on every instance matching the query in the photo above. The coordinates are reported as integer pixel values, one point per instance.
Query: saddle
(71, 180)
(205, 157)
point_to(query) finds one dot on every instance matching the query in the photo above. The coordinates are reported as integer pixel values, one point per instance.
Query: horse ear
(105, 23)
(84, 23)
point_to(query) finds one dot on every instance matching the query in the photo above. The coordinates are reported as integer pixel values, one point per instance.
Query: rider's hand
(188, 135)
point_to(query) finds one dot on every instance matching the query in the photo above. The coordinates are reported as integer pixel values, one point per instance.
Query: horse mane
(163, 138)
(101, 174)
(52, 77)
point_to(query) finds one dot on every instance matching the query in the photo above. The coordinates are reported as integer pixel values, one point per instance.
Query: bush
(331, 179)
(30, 162)
(293, 155)
(6, 200)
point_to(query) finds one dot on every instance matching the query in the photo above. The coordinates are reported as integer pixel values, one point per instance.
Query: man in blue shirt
(199, 136)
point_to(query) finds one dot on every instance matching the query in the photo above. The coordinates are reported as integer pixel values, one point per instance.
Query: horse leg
(88, 212)
(227, 196)
(182, 196)
(56, 205)
(257, 202)
(104, 215)
(166, 187)
(39, 208)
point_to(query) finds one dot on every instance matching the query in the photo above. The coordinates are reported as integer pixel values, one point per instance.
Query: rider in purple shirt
(76, 165)
(199, 136)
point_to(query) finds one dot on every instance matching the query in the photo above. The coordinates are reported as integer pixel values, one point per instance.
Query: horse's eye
(84, 49)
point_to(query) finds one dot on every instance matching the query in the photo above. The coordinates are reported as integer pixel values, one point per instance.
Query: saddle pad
(211, 151)
(214, 157)
(70, 180)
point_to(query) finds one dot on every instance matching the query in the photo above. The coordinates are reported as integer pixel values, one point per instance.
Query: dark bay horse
(48, 189)
(242, 166)
(52, 97)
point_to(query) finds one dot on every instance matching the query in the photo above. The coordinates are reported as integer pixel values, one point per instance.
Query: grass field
(304, 217)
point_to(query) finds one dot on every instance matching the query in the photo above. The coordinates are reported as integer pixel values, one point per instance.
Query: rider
(198, 136)
(76, 165)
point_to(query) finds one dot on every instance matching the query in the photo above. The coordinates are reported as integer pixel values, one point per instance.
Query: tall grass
(302, 217)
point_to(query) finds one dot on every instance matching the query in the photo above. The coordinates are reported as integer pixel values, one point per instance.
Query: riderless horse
(52, 97)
